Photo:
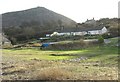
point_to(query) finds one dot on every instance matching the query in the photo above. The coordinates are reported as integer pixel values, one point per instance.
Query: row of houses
(81, 31)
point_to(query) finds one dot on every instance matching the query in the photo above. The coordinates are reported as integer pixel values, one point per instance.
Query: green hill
(33, 23)
(40, 15)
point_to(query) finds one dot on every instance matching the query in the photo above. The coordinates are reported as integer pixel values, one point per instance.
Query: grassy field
(93, 63)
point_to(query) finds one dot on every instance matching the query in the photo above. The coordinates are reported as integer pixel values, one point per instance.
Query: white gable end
(104, 30)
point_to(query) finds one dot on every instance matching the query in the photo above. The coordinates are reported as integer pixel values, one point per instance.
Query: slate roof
(80, 29)
(3, 38)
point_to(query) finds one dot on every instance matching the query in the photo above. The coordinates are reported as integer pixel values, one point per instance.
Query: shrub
(36, 45)
(52, 74)
(68, 46)
(106, 36)
(100, 39)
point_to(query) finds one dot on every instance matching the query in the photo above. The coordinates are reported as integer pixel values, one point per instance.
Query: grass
(53, 74)
(38, 54)
(33, 63)
(106, 54)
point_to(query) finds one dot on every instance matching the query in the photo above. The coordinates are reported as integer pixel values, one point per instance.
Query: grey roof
(77, 29)
(3, 38)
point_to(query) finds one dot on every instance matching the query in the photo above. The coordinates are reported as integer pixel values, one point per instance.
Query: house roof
(80, 29)
(3, 38)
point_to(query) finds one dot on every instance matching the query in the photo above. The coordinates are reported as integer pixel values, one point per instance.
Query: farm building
(5, 43)
(82, 31)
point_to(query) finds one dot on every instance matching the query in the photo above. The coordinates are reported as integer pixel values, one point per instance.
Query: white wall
(66, 33)
(104, 30)
(94, 32)
(79, 33)
(76, 33)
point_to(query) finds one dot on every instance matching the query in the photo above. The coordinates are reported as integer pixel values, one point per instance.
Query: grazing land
(92, 63)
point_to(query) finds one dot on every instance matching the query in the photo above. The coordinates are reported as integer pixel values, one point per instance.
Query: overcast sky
(78, 10)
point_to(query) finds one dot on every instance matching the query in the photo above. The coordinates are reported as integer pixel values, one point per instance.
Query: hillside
(36, 22)
(112, 24)
(40, 15)
(33, 23)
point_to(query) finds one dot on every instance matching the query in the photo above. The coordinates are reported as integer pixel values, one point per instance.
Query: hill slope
(40, 15)
(33, 23)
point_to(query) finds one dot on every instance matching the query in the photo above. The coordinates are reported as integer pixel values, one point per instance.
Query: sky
(77, 10)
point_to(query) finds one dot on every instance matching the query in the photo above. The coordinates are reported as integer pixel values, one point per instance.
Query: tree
(13, 40)
(100, 41)
(28, 32)
(114, 32)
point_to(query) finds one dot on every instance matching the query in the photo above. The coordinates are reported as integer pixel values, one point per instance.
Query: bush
(100, 39)
(36, 45)
(68, 45)
(62, 38)
(106, 36)
(13, 40)
(52, 74)
(72, 45)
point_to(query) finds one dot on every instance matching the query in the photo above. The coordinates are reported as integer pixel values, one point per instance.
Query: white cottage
(96, 31)
(82, 31)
